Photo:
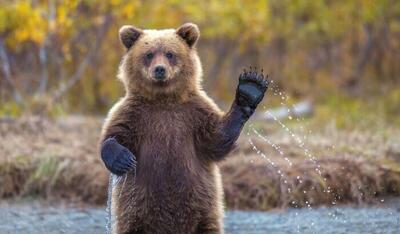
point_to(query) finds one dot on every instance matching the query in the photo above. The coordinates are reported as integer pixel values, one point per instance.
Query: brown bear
(165, 136)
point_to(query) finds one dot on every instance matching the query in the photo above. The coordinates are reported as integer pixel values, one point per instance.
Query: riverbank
(56, 159)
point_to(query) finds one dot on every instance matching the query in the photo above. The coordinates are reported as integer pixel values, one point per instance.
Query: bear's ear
(189, 32)
(128, 35)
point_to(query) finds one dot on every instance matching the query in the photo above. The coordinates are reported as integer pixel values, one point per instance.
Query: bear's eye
(149, 55)
(169, 55)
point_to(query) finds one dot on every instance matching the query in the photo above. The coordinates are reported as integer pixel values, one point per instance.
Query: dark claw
(241, 77)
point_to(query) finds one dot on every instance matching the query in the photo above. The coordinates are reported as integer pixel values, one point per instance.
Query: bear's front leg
(249, 93)
(117, 158)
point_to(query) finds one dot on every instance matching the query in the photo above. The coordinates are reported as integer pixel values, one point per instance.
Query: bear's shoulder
(204, 107)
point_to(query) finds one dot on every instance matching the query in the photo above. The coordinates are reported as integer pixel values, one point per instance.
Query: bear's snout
(159, 72)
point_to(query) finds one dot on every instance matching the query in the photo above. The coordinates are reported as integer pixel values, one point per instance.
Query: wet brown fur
(172, 131)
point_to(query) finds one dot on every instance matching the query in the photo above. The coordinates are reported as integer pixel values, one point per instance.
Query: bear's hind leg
(211, 224)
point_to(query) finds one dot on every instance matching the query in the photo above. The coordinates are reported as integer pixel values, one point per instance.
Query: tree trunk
(7, 74)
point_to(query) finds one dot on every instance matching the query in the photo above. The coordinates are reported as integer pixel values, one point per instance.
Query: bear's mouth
(161, 83)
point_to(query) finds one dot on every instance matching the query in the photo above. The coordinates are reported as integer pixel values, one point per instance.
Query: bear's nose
(159, 72)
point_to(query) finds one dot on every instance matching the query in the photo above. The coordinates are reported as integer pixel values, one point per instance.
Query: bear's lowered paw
(117, 158)
(251, 89)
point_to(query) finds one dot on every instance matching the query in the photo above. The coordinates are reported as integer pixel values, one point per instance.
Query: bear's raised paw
(251, 88)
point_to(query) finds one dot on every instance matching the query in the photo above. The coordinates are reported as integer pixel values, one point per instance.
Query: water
(37, 219)
(321, 220)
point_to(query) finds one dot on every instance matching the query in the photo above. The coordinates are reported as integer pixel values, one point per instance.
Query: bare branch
(64, 88)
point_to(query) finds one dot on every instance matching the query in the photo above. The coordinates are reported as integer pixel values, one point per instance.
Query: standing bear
(163, 139)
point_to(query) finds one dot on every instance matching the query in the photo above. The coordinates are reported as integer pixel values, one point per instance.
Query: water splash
(299, 142)
(262, 154)
(114, 180)
(108, 208)
(275, 146)
(282, 175)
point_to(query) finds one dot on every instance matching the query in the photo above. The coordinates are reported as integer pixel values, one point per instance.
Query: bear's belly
(173, 188)
(171, 170)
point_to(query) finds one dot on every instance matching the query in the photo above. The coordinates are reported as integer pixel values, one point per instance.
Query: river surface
(35, 218)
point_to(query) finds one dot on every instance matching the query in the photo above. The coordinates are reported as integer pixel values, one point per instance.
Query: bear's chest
(166, 151)
(165, 127)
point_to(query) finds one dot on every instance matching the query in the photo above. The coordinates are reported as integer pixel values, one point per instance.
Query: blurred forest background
(61, 57)
(58, 66)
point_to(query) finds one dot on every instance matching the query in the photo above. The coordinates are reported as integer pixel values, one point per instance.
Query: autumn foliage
(64, 55)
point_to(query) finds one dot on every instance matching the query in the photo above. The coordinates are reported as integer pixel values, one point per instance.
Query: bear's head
(160, 63)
